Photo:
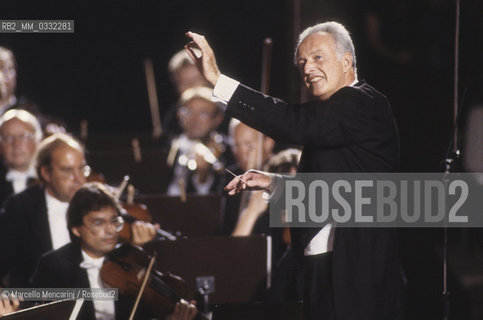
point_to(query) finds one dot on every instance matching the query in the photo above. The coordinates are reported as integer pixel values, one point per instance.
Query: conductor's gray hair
(339, 33)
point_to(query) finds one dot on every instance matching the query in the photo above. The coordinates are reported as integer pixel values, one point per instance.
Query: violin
(210, 150)
(132, 212)
(126, 267)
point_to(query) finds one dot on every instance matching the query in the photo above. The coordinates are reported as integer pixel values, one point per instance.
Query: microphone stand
(451, 161)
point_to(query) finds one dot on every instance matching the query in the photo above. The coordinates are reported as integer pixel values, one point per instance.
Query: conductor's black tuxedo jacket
(352, 131)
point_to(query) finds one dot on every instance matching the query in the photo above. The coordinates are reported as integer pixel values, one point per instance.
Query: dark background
(97, 74)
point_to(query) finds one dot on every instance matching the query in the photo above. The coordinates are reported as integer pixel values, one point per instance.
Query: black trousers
(318, 289)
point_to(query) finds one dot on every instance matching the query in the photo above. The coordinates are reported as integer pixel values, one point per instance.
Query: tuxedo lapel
(6, 188)
(77, 278)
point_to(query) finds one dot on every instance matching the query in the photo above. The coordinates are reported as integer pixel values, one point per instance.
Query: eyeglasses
(185, 112)
(24, 137)
(69, 172)
(99, 224)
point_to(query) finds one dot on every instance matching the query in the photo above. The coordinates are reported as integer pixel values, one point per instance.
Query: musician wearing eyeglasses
(199, 152)
(20, 133)
(94, 222)
(34, 220)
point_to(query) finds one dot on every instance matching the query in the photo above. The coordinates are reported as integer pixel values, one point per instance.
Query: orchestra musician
(347, 126)
(199, 117)
(183, 75)
(94, 222)
(8, 85)
(254, 218)
(20, 132)
(245, 151)
(9, 100)
(34, 220)
(8, 305)
(8, 80)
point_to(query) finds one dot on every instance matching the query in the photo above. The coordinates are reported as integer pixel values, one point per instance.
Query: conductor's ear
(347, 60)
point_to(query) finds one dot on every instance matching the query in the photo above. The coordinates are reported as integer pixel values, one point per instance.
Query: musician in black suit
(20, 132)
(346, 127)
(94, 221)
(34, 220)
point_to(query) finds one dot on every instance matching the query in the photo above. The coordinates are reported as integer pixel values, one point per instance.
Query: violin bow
(121, 188)
(143, 286)
(264, 88)
(153, 98)
(256, 160)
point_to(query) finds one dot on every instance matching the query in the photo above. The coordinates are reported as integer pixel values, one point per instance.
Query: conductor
(347, 126)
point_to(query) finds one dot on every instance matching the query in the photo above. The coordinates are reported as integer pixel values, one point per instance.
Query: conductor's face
(323, 71)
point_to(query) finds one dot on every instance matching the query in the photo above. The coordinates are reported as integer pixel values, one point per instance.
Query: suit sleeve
(10, 225)
(345, 119)
(46, 273)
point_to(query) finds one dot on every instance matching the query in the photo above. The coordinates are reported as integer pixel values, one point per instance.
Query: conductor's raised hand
(251, 180)
(206, 62)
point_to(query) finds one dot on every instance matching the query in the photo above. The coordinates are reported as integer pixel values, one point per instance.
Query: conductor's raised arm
(205, 62)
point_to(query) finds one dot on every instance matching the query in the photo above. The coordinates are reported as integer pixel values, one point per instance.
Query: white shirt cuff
(224, 89)
(276, 190)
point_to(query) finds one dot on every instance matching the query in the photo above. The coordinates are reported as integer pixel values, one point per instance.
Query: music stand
(259, 311)
(198, 216)
(234, 268)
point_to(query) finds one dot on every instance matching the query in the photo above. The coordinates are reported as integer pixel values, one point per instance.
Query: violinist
(191, 171)
(8, 305)
(183, 75)
(94, 221)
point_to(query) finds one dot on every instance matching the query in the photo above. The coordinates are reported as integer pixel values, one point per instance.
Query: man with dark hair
(348, 126)
(35, 220)
(94, 222)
